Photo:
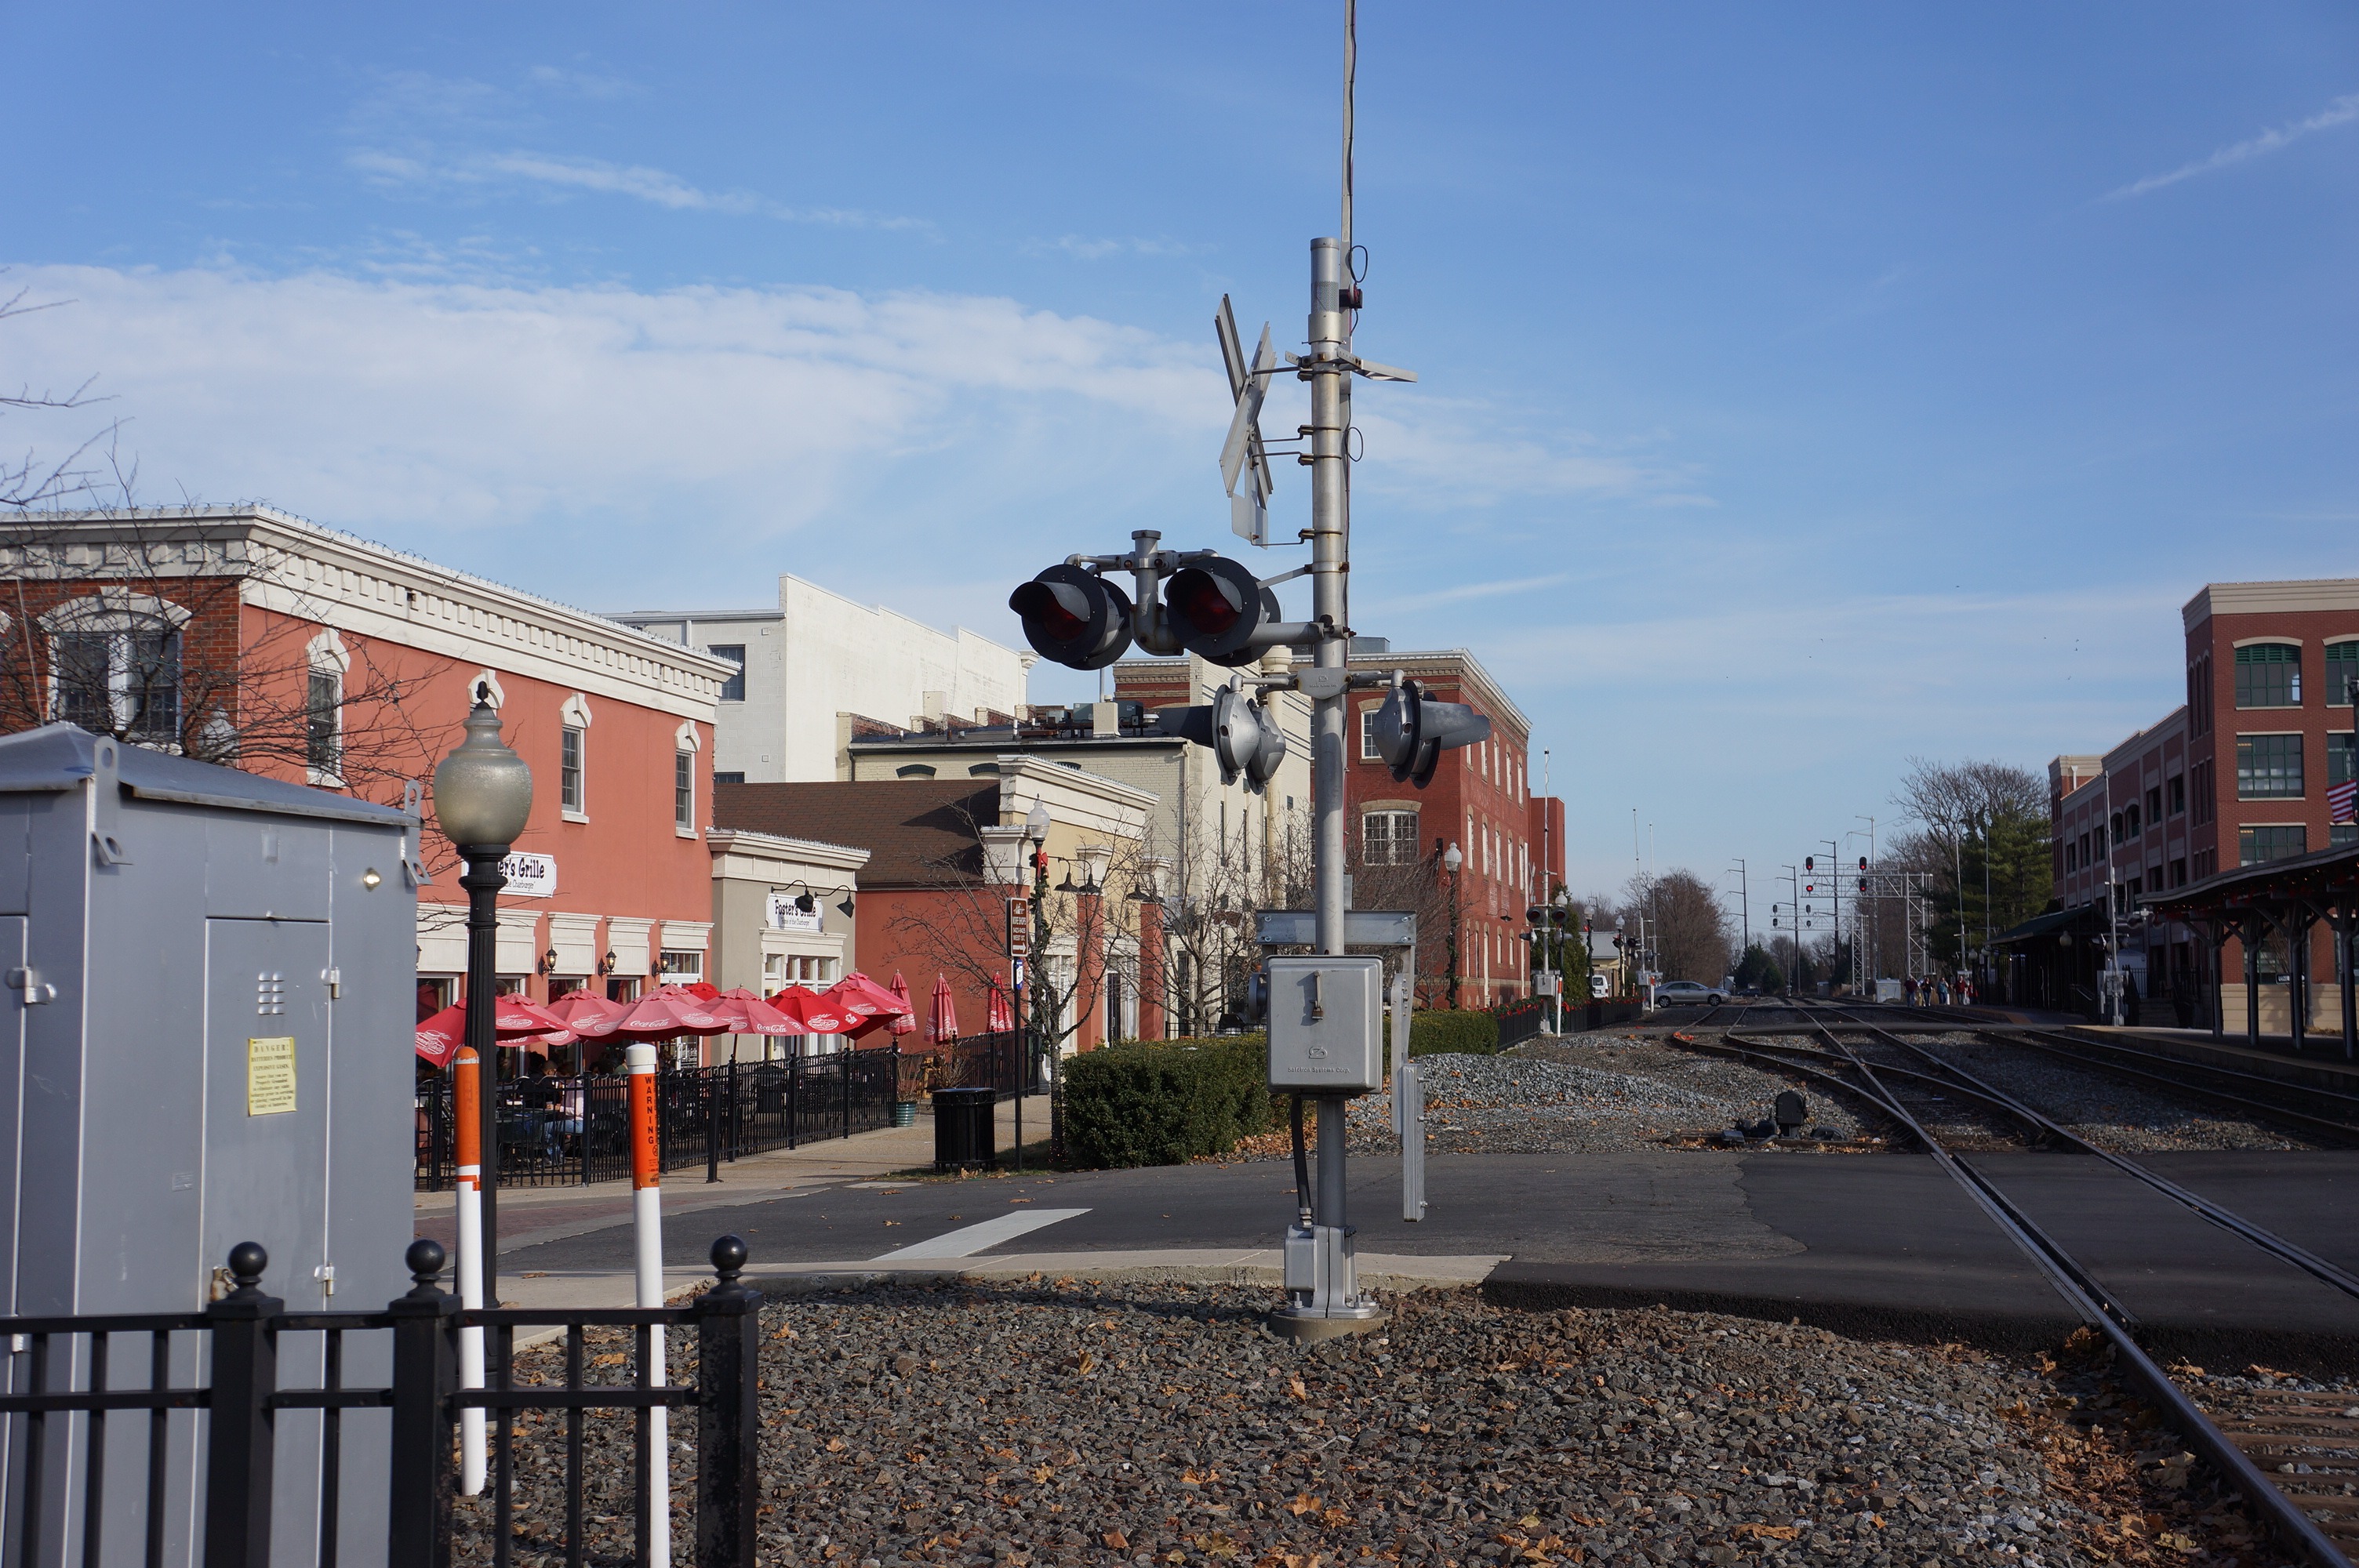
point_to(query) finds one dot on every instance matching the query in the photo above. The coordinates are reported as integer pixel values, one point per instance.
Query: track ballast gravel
(1063, 1423)
(1592, 1095)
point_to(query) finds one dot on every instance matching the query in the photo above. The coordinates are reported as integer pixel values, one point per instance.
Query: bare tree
(1684, 918)
(1981, 830)
(963, 930)
(33, 480)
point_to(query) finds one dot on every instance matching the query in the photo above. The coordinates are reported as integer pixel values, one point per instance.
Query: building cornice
(2270, 598)
(746, 843)
(300, 569)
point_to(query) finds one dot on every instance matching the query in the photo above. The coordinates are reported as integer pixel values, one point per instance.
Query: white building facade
(818, 655)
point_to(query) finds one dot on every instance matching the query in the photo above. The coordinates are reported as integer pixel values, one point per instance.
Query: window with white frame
(679, 968)
(1368, 753)
(1388, 838)
(323, 727)
(683, 790)
(570, 744)
(115, 665)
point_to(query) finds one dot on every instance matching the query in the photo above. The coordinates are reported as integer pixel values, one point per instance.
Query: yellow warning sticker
(270, 1076)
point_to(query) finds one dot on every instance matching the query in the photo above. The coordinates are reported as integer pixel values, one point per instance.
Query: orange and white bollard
(647, 1214)
(468, 1108)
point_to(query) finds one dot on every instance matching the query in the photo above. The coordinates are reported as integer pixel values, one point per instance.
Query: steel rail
(2063, 1274)
(2071, 1045)
(2226, 1219)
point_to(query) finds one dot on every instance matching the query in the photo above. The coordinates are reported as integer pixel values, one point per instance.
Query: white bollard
(468, 1124)
(647, 1214)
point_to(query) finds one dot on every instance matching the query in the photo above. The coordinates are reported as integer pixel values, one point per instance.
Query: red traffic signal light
(1073, 618)
(1862, 862)
(1809, 862)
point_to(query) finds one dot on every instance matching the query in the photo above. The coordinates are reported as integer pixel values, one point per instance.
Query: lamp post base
(1308, 1324)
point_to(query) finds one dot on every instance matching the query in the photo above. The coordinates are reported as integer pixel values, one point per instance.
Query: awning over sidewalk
(2087, 918)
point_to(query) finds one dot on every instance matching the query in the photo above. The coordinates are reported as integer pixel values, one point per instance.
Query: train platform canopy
(2287, 898)
(2326, 880)
(2082, 920)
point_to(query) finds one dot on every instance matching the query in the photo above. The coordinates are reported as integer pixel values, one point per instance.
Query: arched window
(325, 661)
(114, 665)
(2268, 674)
(2341, 669)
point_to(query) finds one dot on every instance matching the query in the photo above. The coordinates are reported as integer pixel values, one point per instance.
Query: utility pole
(1744, 910)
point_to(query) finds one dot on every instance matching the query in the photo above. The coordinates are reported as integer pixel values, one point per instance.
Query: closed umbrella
(514, 1020)
(907, 1022)
(1001, 1015)
(944, 1029)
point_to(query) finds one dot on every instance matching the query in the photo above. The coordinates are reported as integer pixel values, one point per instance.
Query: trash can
(905, 1113)
(966, 1129)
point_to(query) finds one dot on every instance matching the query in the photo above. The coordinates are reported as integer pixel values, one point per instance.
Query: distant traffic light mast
(1325, 1012)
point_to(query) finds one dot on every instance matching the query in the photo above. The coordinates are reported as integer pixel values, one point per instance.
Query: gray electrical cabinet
(1326, 1024)
(206, 1040)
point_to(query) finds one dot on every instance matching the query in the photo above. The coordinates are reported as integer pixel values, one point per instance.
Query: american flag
(2343, 801)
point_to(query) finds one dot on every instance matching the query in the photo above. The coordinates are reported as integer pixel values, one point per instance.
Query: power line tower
(1325, 1012)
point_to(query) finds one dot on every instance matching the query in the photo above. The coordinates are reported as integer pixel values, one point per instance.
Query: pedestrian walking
(1945, 993)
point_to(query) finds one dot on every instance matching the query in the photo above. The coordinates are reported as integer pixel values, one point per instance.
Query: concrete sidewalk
(531, 1215)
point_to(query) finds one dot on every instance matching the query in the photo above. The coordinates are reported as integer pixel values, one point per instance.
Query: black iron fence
(992, 1061)
(212, 1388)
(1521, 1022)
(572, 1130)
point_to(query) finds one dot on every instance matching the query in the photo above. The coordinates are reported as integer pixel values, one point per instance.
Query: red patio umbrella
(514, 1020)
(812, 1012)
(588, 1014)
(856, 993)
(749, 1014)
(667, 1012)
(907, 1022)
(1001, 1015)
(944, 1029)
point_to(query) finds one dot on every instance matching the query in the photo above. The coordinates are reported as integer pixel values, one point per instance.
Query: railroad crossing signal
(1245, 740)
(1413, 730)
(1242, 455)
(1074, 617)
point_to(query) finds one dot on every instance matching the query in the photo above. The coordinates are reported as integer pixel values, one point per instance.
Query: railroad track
(2317, 1434)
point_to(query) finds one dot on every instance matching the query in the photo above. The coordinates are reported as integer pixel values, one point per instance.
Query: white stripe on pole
(647, 1212)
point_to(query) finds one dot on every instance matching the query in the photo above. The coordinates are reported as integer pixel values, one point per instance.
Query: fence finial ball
(246, 1261)
(425, 1258)
(728, 1257)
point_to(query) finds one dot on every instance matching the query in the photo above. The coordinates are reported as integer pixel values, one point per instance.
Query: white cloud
(2342, 111)
(637, 182)
(1084, 249)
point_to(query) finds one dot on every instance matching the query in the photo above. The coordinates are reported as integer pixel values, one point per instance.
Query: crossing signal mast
(1325, 1012)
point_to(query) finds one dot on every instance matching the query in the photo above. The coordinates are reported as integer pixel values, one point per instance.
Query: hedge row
(1163, 1102)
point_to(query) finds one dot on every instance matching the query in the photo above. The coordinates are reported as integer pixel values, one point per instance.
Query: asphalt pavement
(1878, 1244)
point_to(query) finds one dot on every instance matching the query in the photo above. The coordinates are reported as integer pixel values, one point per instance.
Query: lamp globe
(483, 791)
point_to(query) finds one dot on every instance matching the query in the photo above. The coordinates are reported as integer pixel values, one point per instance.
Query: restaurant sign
(530, 876)
(785, 916)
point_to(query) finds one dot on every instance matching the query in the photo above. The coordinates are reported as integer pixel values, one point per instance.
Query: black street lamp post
(483, 793)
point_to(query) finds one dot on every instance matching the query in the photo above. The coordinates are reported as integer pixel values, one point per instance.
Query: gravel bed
(1063, 1422)
(1557, 1097)
(2114, 1113)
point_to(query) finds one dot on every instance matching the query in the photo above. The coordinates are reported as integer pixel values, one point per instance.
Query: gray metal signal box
(1326, 1024)
(206, 1039)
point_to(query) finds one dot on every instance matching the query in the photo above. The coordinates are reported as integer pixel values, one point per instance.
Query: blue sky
(1803, 389)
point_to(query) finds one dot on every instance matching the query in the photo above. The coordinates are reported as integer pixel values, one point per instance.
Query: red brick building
(944, 855)
(1480, 800)
(2236, 776)
(245, 635)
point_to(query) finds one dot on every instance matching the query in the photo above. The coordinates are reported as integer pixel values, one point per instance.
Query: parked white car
(1687, 993)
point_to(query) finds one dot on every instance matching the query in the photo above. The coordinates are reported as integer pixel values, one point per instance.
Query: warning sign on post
(270, 1076)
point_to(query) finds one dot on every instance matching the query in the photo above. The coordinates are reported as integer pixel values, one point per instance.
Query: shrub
(1461, 1030)
(1161, 1102)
